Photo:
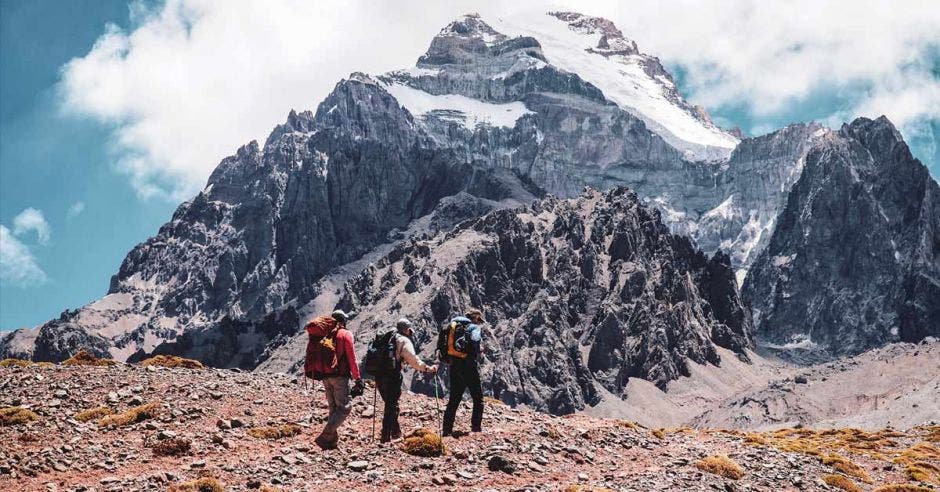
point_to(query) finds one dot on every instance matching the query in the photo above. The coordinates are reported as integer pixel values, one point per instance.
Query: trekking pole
(437, 403)
(375, 389)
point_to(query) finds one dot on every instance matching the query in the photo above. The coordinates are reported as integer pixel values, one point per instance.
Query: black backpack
(381, 357)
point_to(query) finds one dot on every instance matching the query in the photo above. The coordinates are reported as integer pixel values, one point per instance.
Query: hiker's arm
(409, 355)
(476, 343)
(346, 346)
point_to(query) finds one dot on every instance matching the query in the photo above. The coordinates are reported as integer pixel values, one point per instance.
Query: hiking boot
(326, 443)
(476, 429)
(385, 438)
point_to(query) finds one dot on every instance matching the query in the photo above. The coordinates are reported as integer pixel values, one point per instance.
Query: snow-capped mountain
(598, 52)
(496, 114)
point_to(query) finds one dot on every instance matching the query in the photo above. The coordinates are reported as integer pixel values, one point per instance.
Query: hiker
(332, 359)
(459, 345)
(385, 359)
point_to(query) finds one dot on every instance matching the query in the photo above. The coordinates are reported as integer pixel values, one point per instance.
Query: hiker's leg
(383, 384)
(328, 392)
(342, 406)
(457, 387)
(476, 392)
(392, 408)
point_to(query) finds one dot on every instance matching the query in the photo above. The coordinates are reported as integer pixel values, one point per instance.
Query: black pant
(464, 375)
(390, 389)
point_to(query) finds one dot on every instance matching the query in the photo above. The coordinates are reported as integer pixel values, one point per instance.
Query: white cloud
(195, 79)
(33, 220)
(18, 266)
(75, 210)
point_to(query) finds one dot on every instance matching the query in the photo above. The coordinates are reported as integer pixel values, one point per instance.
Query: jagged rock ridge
(577, 293)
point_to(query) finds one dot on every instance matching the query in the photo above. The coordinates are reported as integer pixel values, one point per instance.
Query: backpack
(381, 357)
(321, 359)
(453, 342)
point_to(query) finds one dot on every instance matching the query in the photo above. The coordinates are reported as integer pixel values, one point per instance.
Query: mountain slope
(577, 293)
(854, 262)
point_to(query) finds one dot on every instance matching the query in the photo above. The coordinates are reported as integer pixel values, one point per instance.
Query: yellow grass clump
(10, 416)
(932, 433)
(840, 463)
(720, 465)
(15, 363)
(173, 446)
(131, 415)
(275, 431)
(918, 462)
(85, 358)
(93, 413)
(424, 442)
(586, 488)
(172, 361)
(658, 433)
(755, 438)
(493, 401)
(202, 484)
(841, 482)
(901, 487)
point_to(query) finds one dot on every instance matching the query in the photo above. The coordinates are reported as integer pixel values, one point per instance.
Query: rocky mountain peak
(611, 41)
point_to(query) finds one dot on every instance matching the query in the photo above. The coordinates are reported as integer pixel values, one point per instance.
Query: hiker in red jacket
(332, 360)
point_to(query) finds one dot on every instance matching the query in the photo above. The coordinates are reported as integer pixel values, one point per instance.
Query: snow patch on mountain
(470, 112)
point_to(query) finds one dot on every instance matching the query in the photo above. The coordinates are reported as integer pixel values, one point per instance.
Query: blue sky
(96, 154)
(50, 162)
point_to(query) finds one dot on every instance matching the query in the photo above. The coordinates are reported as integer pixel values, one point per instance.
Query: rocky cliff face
(579, 295)
(854, 261)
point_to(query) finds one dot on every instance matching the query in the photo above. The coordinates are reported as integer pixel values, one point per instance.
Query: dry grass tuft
(131, 415)
(202, 484)
(629, 424)
(755, 438)
(586, 488)
(15, 363)
(932, 433)
(172, 361)
(923, 472)
(85, 358)
(10, 416)
(918, 462)
(552, 433)
(275, 431)
(424, 442)
(93, 413)
(720, 465)
(174, 446)
(841, 482)
(493, 401)
(901, 487)
(840, 463)
(658, 433)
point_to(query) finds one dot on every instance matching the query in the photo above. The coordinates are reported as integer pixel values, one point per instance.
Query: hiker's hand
(432, 369)
(358, 389)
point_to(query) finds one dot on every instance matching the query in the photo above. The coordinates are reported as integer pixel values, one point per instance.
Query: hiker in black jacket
(389, 384)
(460, 346)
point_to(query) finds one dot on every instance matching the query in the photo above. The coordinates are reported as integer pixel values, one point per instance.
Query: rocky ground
(216, 410)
